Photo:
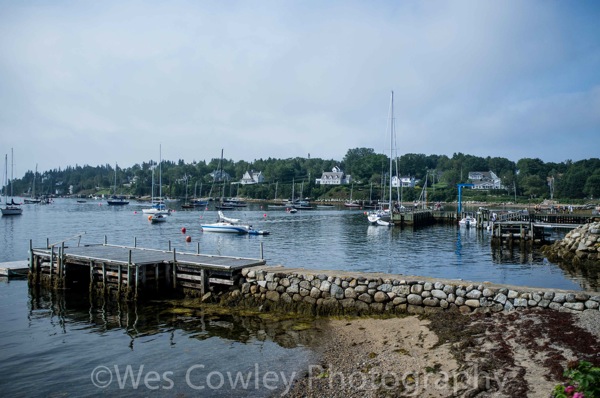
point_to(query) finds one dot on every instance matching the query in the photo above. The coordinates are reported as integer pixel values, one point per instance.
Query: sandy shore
(521, 353)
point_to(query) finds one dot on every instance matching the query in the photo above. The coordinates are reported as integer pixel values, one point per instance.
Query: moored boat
(12, 208)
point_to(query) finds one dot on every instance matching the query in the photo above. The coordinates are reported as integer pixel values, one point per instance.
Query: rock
(439, 294)
(472, 303)
(574, 306)
(474, 294)
(380, 297)
(315, 293)
(559, 298)
(365, 298)
(361, 289)
(414, 299)
(500, 298)
(590, 304)
(385, 287)
(431, 302)
(336, 291)
(272, 295)
(416, 289)
(401, 289)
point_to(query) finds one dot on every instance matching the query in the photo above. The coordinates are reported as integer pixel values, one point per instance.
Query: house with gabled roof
(485, 180)
(334, 177)
(252, 177)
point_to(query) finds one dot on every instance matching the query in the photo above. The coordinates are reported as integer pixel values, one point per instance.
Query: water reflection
(188, 316)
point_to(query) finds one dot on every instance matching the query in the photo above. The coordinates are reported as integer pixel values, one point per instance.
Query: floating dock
(133, 272)
(14, 269)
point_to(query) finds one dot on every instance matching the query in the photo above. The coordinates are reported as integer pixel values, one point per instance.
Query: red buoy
(188, 238)
(183, 230)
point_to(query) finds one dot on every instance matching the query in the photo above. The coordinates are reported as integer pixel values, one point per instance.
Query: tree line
(527, 179)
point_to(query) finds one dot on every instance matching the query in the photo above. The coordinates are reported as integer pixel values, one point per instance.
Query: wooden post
(135, 241)
(261, 251)
(168, 273)
(104, 276)
(51, 261)
(59, 263)
(91, 276)
(105, 240)
(119, 279)
(137, 280)
(62, 261)
(129, 270)
(169, 244)
(198, 248)
(31, 262)
(47, 243)
(203, 284)
(156, 270)
(174, 267)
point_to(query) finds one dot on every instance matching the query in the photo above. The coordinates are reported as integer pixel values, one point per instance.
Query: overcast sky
(97, 82)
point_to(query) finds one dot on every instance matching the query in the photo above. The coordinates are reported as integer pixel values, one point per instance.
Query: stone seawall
(338, 292)
(579, 247)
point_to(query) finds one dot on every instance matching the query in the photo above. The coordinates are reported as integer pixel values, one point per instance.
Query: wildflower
(569, 390)
(578, 395)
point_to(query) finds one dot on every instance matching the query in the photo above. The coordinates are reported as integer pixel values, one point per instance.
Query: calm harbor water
(64, 345)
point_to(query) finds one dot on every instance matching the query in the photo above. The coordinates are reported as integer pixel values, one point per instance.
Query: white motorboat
(384, 223)
(467, 221)
(227, 225)
(379, 215)
(158, 218)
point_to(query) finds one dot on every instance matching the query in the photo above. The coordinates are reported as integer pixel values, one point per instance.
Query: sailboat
(33, 199)
(158, 206)
(383, 216)
(12, 208)
(115, 200)
(352, 203)
(186, 204)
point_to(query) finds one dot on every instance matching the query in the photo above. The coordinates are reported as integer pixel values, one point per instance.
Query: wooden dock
(133, 272)
(14, 269)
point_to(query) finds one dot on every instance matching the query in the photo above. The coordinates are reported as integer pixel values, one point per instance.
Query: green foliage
(528, 179)
(583, 380)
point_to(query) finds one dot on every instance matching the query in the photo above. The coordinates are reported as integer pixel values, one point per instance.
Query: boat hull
(10, 211)
(225, 228)
(117, 202)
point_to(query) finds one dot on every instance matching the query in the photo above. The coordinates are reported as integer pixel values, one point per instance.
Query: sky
(105, 82)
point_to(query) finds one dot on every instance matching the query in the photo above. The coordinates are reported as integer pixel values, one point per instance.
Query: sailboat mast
(115, 191)
(160, 172)
(391, 146)
(12, 165)
(5, 179)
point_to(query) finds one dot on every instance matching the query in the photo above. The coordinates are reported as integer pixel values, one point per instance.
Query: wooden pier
(418, 218)
(133, 272)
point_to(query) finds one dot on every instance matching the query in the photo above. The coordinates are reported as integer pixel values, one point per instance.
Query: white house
(485, 180)
(406, 182)
(252, 177)
(334, 177)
